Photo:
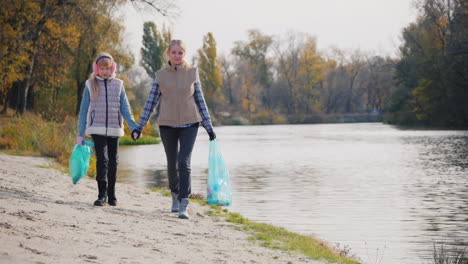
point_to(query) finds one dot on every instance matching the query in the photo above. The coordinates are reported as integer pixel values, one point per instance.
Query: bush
(266, 117)
(237, 121)
(30, 133)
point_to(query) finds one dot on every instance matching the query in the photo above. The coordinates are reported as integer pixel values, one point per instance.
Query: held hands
(80, 140)
(136, 134)
(212, 135)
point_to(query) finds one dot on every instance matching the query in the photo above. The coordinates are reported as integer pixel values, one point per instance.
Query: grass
(456, 255)
(274, 237)
(145, 140)
(31, 135)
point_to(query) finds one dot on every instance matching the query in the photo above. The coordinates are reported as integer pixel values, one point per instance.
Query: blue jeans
(178, 158)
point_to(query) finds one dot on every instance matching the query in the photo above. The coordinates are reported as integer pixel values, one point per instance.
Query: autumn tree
(311, 73)
(258, 78)
(211, 77)
(301, 68)
(48, 45)
(14, 52)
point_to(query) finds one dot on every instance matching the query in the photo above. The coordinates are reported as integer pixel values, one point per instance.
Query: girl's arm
(83, 113)
(150, 105)
(202, 108)
(126, 110)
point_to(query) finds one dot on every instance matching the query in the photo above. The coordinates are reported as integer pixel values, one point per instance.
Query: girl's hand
(80, 140)
(136, 134)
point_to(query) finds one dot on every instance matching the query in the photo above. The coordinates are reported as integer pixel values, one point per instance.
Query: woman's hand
(136, 134)
(212, 135)
(80, 140)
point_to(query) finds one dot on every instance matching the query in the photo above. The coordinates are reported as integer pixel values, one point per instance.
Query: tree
(46, 45)
(210, 72)
(13, 50)
(154, 46)
(259, 77)
(432, 71)
(228, 79)
(301, 69)
(288, 65)
(311, 73)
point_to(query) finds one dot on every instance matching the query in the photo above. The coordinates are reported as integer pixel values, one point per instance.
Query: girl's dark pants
(178, 158)
(106, 164)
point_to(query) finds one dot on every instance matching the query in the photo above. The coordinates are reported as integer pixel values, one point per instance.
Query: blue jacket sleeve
(126, 110)
(83, 112)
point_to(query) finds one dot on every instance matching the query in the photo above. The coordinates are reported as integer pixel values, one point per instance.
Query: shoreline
(47, 219)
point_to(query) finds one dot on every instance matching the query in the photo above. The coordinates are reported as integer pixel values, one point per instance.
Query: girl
(102, 107)
(177, 90)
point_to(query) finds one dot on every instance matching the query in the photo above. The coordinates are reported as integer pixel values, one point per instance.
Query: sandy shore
(47, 219)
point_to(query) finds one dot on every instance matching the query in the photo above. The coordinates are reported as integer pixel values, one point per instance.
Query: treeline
(286, 79)
(281, 79)
(47, 46)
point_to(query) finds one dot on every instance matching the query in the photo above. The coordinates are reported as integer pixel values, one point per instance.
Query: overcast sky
(371, 25)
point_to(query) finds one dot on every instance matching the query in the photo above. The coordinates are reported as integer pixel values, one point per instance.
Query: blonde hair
(104, 59)
(180, 43)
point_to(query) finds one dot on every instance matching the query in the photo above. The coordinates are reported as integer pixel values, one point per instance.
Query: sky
(370, 25)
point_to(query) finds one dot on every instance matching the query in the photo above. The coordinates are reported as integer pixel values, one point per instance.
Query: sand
(46, 219)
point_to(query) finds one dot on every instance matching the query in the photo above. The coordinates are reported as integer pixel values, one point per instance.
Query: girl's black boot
(102, 188)
(111, 199)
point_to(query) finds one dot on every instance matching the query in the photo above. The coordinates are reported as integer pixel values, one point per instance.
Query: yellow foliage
(422, 101)
(30, 133)
(209, 68)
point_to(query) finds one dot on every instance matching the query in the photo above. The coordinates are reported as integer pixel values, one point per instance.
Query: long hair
(104, 59)
(185, 66)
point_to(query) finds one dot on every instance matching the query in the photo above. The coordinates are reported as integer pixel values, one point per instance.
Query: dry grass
(30, 134)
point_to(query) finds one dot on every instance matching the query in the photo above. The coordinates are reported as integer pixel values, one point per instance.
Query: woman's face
(176, 54)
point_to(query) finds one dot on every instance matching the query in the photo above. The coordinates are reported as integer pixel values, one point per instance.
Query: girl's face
(104, 71)
(176, 54)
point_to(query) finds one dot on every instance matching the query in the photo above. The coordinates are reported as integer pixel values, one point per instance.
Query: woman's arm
(126, 110)
(150, 105)
(202, 108)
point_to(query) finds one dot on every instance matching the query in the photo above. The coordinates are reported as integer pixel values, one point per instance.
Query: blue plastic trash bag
(79, 160)
(219, 186)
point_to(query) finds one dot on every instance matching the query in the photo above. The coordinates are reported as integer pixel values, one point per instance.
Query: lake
(388, 194)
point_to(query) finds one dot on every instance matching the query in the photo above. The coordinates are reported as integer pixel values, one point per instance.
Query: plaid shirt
(153, 101)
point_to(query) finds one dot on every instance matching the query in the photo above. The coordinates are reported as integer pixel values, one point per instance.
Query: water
(388, 194)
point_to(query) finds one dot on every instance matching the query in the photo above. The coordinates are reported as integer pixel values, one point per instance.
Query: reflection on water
(385, 192)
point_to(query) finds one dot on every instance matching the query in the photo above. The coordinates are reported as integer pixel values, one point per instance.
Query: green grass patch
(279, 238)
(145, 140)
(274, 237)
(164, 192)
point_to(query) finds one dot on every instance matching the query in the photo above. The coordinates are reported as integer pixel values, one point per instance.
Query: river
(385, 193)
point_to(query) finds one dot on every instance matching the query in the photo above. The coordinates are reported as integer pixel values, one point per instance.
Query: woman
(177, 91)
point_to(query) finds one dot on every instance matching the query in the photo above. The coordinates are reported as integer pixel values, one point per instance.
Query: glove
(80, 140)
(212, 135)
(136, 134)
